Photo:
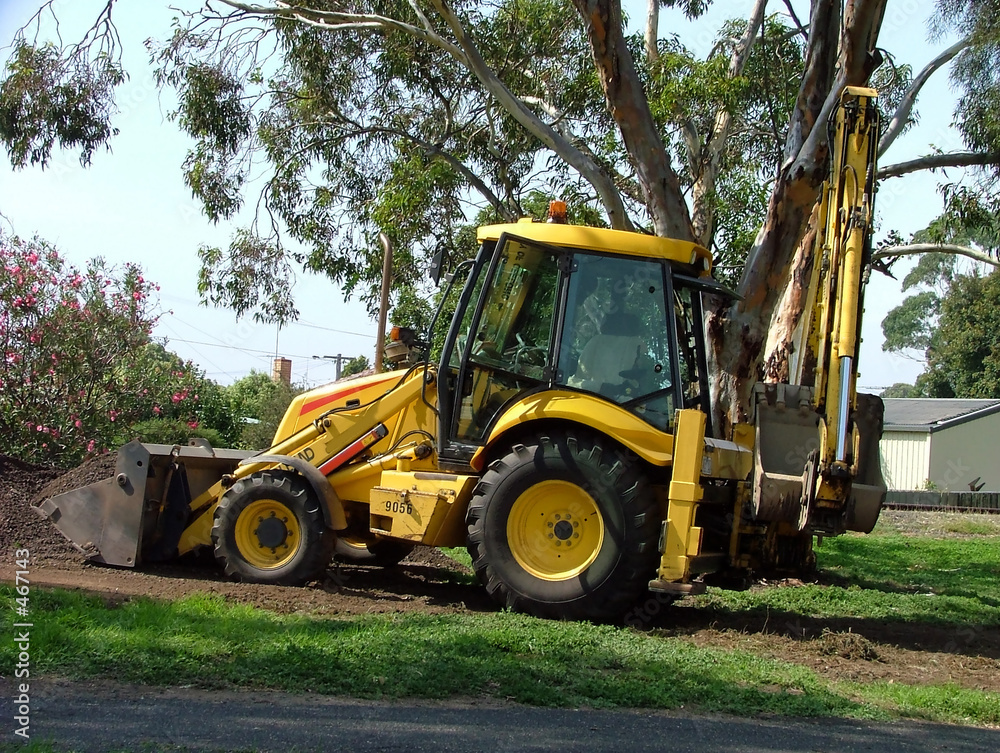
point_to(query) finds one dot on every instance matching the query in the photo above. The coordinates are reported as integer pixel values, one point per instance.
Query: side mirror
(437, 264)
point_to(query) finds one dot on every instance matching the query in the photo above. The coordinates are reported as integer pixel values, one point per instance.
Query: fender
(652, 445)
(333, 510)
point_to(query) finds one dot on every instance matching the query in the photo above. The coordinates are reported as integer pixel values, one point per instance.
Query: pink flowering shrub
(77, 366)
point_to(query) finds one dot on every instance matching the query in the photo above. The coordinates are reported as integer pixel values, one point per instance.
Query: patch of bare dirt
(846, 656)
(429, 582)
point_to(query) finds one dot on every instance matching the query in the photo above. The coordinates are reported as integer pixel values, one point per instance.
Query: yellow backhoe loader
(564, 436)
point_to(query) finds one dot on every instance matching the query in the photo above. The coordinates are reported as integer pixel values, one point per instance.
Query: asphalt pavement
(103, 716)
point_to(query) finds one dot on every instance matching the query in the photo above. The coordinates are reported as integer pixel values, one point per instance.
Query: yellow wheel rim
(267, 534)
(555, 530)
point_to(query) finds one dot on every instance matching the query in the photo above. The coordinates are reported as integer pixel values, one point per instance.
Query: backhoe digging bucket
(869, 488)
(140, 512)
(785, 463)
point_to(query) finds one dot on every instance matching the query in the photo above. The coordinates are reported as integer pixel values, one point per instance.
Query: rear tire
(377, 552)
(269, 528)
(564, 527)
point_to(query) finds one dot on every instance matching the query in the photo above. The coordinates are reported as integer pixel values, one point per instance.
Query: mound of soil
(20, 526)
(90, 471)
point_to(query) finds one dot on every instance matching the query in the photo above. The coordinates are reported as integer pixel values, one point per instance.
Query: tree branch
(935, 161)
(902, 115)
(334, 21)
(466, 53)
(652, 30)
(588, 168)
(795, 19)
(710, 159)
(912, 249)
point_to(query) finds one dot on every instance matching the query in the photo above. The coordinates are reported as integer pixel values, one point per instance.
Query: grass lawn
(204, 641)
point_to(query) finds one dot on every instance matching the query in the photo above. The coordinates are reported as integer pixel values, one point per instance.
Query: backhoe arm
(817, 464)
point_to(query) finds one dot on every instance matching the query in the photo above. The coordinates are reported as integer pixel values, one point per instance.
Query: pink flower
(90, 445)
(32, 258)
(137, 296)
(157, 410)
(39, 427)
(176, 397)
(193, 424)
(112, 414)
(78, 423)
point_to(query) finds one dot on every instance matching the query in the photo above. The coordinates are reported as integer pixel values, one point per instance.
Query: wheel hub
(267, 534)
(555, 530)
(271, 532)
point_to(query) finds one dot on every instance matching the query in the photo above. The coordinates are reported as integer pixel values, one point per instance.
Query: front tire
(269, 528)
(564, 527)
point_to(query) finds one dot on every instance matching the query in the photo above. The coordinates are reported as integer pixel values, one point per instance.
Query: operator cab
(575, 309)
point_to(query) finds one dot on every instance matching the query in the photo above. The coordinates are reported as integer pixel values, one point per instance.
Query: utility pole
(339, 360)
(383, 309)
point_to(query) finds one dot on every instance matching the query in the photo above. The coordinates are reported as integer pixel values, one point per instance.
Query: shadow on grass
(968, 639)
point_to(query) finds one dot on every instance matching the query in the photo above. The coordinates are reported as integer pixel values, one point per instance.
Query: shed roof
(934, 414)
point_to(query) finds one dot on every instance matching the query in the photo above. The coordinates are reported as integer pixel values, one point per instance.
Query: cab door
(505, 341)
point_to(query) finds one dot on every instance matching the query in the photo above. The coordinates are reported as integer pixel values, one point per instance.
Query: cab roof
(603, 240)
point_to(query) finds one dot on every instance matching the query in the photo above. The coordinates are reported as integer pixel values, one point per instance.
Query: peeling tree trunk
(837, 54)
(780, 361)
(738, 331)
(630, 110)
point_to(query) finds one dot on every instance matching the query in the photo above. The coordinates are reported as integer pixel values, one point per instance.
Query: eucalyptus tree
(396, 115)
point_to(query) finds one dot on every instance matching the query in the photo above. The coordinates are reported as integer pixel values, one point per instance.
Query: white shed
(942, 444)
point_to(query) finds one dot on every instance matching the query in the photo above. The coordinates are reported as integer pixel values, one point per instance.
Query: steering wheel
(523, 352)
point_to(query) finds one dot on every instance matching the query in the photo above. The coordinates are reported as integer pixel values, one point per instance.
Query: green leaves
(50, 98)
(956, 323)
(911, 324)
(78, 370)
(252, 276)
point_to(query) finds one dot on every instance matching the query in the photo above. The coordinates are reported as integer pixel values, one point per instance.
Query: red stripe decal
(319, 402)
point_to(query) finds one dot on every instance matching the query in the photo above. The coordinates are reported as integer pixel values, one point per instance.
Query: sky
(131, 204)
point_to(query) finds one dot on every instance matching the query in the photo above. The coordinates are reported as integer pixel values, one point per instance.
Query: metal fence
(956, 501)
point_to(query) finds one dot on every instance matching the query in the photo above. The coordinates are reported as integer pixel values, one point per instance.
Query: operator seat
(607, 354)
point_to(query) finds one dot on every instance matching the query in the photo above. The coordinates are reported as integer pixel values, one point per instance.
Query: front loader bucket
(140, 510)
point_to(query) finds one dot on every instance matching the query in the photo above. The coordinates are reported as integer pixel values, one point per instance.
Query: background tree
(388, 116)
(953, 321)
(257, 404)
(356, 365)
(78, 371)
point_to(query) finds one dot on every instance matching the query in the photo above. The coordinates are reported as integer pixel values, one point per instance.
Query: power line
(302, 323)
(249, 351)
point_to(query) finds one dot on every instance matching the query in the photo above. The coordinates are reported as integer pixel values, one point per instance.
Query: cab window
(616, 339)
